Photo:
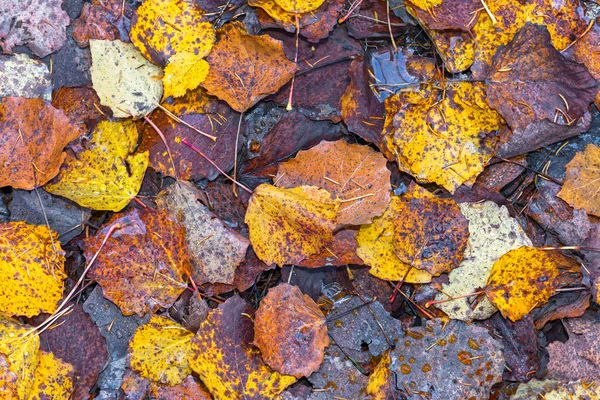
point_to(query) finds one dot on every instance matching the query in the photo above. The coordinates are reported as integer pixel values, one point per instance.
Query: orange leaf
(582, 181)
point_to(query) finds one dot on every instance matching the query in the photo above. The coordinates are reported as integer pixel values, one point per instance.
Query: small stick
(289, 104)
(162, 137)
(354, 7)
(176, 118)
(550, 178)
(237, 138)
(432, 302)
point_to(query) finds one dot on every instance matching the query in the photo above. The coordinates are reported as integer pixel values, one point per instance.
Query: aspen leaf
(106, 175)
(151, 275)
(557, 390)
(525, 278)
(226, 361)
(159, 350)
(246, 68)
(124, 80)
(162, 28)
(185, 71)
(53, 379)
(31, 269)
(25, 77)
(380, 385)
(288, 225)
(290, 331)
(34, 135)
(582, 181)
(299, 6)
(347, 171)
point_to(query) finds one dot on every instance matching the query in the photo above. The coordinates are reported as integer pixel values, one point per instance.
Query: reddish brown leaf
(369, 27)
(81, 105)
(445, 14)
(103, 20)
(341, 251)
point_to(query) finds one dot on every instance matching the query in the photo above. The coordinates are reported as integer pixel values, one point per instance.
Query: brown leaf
(369, 27)
(34, 135)
(81, 105)
(562, 305)
(355, 174)
(102, 20)
(290, 331)
(582, 181)
(141, 267)
(445, 14)
(246, 68)
(341, 252)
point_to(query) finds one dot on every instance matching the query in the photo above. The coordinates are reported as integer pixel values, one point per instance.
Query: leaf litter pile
(299, 199)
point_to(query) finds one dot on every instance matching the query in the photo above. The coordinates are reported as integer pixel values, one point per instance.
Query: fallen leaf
(152, 274)
(582, 181)
(34, 135)
(352, 173)
(215, 249)
(81, 105)
(299, 6)
(288, 225)
(226, 361)
(101, 20)
(25, 23)
(135, 388)
(290, 331)
(246, 68)
(53, 378)
(163, 28)
(381, 386)
(124, 80)
(368, 23)
(443, 135)
(185, 71)
(31, 269)
(341, 252)
(22, 76)
(444, 14)
(562, 305)
(106, 175)
(552, 389)
(525, 278)
(492, 233)
(587, 51)
(159, 350)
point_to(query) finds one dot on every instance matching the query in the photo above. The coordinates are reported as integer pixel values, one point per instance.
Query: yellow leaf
(376, 248)
(380, 382)
(159, 351)
(299, 6)
(105, 176)
(444, 135)
(53, 379)
(288, 225)
(162, 28)
(582, 181)
(184, 72)
(31, 269)
(21, 347)
(525, 278)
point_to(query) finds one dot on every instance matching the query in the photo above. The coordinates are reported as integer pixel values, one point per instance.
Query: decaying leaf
(101, 20)
(106, 175)
(582, 181)
(34, 135)
(24, 77)
(525, 278)
(492, 233)
(53, 378)
(299, 6)
(341, 252)
(159, 351)
(162, 28)
(587, 51)
(142, 265)
(215, 249)
(355, 174)
(442, 135)
(226, 361)
(459, 361)
(288, 225)
(124, 80)
(557, 390)
(136, 387)
(185, 71)
(290, 331)
(31, 269)
(27, 23)
(246, 68)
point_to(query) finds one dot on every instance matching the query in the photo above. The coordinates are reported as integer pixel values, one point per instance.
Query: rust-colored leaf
(341, 252)
(582, 181)
(101, 20)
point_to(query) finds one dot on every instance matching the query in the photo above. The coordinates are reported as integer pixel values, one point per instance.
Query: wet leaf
(31, 269)
(215, 249)
(587, 51)
(24, 77)
(444, 14)
(163, 28)
(152, 274)
(290, 331)
(381, 385)
(553, 389)
(442, 136)
(347, 171)
(582, 181)
(185, 71)
(246, 68)
(226, 361)
(525, 278)
(124, 80)
(288, 225)
(34, 135)
(81, 105)
(299, 6)
(492, 233)
(53, 378)
(159, 351)
(101, 20)
(26, 23)
(106, 175)
(341, 252)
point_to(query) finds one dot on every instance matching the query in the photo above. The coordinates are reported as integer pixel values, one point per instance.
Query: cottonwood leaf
(554, 389)
(299, 6)
(288, 225)
(582, 181)
(341, 251)
(53, 378)
(142, 266)
(185, 71)
(245, 68)
(24, 77)
(347, 171)
(34, 135)
(159, 350)
(102, 20)
(226, 361)
(31, 269)
(106, 175)
(290, 331)
(124, 80)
